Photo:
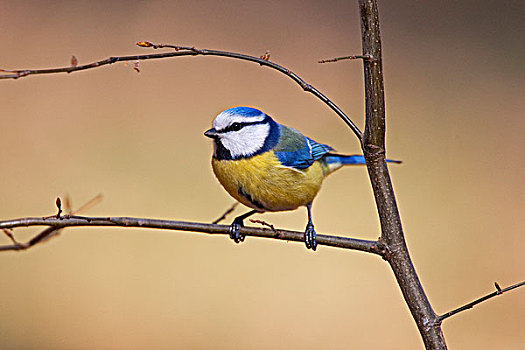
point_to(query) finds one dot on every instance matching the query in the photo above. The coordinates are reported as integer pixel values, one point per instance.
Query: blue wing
(298, 151)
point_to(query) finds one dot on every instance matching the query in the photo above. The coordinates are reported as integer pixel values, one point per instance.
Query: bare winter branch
(470, 305)
(74, 220)
(336, 59)
(374, 151)
(51, 231)
(190, 51)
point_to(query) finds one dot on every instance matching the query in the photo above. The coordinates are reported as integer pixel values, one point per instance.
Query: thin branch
(336, 59)
(50, 232)
(226, 213)
(263, 61)
(86, 206)
(57, 222)
(73, 220)
(9, 235)
(263, 223)
(470, 305)
(374, 247)
(190, 51)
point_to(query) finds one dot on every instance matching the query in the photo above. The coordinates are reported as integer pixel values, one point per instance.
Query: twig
(190, 51)
(88, 205)
(264, 223)
(329, 60)
(223, 216)
(51, 232)
(74, 221)
(470, 305)
(9, 234)
(263, 61)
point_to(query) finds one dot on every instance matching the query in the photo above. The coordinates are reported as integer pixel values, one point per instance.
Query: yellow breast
(262, 183)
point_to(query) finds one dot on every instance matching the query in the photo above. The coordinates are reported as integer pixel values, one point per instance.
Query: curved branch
(55, 223)
(190, 51)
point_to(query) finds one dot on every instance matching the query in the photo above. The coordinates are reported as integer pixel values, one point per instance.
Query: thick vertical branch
(373, 145)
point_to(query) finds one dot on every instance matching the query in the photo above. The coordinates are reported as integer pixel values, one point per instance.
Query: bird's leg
(309, 233)
(236, 226)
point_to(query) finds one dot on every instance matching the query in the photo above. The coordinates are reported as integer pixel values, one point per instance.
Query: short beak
(212, 133)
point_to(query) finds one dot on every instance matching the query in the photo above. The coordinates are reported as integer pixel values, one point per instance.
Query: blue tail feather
(354, 159)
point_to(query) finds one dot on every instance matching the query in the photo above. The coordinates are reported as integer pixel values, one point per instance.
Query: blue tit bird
(268, 166)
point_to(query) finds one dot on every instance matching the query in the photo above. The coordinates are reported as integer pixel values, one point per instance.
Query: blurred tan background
(454, 87)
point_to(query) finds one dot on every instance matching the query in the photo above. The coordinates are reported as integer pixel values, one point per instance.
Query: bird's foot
(234, 231)
(309, 237)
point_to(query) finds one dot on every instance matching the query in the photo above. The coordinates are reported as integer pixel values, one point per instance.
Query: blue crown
(245, 111)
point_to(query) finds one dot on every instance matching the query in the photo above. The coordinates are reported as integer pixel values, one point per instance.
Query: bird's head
(242, 132)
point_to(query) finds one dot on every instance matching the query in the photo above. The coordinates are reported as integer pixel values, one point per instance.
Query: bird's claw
(234, 231)
(309, 237)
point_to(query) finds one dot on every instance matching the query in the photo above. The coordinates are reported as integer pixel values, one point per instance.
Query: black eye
(235, 127)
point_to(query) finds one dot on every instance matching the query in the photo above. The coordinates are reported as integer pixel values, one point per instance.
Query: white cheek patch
(246, 141)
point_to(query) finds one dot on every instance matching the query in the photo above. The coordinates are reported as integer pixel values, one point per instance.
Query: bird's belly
(262, 183)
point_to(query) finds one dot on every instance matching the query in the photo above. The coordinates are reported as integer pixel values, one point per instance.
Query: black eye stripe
(239, 125)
